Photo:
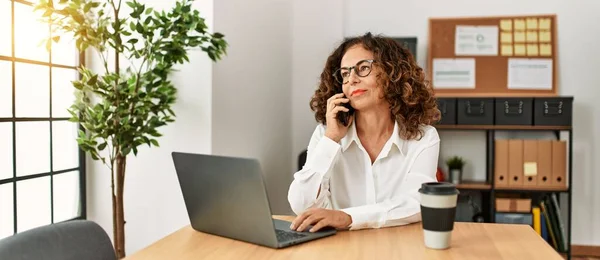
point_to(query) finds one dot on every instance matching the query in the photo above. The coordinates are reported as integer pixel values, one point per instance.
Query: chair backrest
(302, 159)
(77, 239)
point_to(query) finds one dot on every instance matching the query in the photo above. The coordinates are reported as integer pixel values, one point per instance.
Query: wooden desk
(469, 241)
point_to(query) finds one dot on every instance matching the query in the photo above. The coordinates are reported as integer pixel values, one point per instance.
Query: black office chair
(302, 159)
(71, 240)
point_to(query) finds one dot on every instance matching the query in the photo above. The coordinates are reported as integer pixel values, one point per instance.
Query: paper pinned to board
(506, 37)
(519, 37)
(545, 50)
(530, 74)
(454, 73)
(519, 24)
(476, 40)
(507, 50)
(506, 25)
(545, 36)
(545, 23)
(520, 50)
(532, 23)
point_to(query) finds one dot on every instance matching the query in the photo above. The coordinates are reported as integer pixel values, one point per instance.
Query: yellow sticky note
(520, 49)
(506, 50)
(545, 23)
(545, 36)
(545, 49)
(532, 23)
(506, 25)
(530, 169)
(519, 37)
(532, 36)
(532, 50)
(506, 37)
(519, 24)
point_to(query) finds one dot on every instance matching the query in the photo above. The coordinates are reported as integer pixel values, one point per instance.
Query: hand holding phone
(339, 116)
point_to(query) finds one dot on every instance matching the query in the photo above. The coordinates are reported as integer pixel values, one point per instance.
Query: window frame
(14, 180)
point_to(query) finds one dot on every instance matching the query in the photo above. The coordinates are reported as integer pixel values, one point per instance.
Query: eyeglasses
(362, 69)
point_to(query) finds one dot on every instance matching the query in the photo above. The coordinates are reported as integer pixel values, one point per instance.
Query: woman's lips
(358, 92)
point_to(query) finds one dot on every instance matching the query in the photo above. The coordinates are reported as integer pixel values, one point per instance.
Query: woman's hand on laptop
(321, 218)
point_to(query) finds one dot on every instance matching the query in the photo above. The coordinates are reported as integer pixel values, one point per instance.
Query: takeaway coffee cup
(438, 208)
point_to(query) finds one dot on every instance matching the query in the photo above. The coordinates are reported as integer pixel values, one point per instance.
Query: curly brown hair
(411, 98)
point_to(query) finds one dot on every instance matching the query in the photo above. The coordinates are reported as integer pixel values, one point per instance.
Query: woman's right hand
(335, 130)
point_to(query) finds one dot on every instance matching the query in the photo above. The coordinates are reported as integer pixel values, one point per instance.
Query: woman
(366, 174)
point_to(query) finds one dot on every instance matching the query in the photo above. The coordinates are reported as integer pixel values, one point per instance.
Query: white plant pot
(455, 176)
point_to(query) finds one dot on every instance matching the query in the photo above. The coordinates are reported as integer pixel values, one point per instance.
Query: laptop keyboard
(287, 235)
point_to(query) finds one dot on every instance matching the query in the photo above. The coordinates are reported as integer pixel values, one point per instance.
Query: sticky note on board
(545, 49)
(506, 50)
(532, 36)
(506, 37)
(545, 23)
(532, 50)
(519, 24)
(519, 37)
(545, 36)
(506, 25)
(520, 49)
(532, 23)
(530, 169)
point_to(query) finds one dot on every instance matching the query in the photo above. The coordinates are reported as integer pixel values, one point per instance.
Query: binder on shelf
(536, 220)
(559, 222)
(544, 159)
(530, 163)
(515, 163)
(501, 163)
(559, 166)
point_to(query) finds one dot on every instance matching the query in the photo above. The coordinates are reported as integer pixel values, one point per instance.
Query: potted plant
(122, 108)
(455, 167)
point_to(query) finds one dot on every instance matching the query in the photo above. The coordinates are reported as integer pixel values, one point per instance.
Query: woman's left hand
(321, 218)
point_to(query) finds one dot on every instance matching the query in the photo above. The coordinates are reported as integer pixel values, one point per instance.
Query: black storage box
(556, 111)
(475, 111)
(447, 107)
(514, 111)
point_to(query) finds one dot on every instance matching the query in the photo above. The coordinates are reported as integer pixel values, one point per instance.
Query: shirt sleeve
(321, 154)
(405, 208)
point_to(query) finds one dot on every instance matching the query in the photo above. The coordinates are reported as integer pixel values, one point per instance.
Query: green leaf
(77, 85)
(154, 142)
(102, 146)
(130, 4)
(149, 10)
(47, 13)
(48, 44)
(93, 80)
(87, 7)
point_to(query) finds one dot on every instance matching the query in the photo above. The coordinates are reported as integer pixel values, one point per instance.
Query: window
(42, 178)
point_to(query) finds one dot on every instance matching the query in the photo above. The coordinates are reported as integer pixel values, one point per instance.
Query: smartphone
(344, 117)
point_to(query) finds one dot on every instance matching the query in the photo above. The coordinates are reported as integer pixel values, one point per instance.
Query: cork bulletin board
(493, 56)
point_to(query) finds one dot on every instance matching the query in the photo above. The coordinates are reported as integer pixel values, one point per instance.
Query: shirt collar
(352, 136)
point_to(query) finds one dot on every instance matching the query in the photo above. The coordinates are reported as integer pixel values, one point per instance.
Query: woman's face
(362, 88)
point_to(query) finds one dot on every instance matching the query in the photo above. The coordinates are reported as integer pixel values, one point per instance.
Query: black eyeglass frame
(339, 77)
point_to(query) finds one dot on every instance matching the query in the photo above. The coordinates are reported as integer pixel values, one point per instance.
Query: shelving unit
(488, 189)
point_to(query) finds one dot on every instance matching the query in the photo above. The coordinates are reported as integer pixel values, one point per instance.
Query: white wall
(317, 29)
(252, 87)
(154, 206)
(577, 36)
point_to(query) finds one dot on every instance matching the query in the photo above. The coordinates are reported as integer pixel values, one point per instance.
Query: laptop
(226, 196)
